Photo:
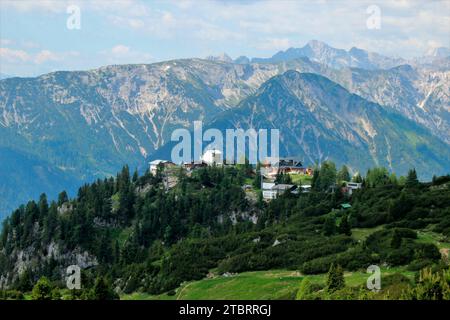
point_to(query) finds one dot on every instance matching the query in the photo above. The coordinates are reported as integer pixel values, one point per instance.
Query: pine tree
(377, 177)
(62, 198)
(25, 282)
(135, 176)
(399, 207)
(102, 290)
(50, 223)
(258, 178)
(396, 240)
(116, 252)
(357, 178)
(329, 226)
(326, 177)
(105, 251)
(315, 179)
(335, 278)
(43, 205)
(344, 226)
(343, 174)
(411, 179)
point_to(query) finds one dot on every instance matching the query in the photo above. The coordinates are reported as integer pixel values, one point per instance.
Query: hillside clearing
(256, 285)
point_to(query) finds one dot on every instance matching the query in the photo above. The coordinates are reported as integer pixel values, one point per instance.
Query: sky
(41, 36)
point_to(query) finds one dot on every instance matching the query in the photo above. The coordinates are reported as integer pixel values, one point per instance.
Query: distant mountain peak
(242, 60)
(223, 57)
(317, 44)
(321, 52)
(438, 52)
(354, 51)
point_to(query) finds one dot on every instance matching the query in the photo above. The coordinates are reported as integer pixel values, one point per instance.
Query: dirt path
(444, 252)
(184, 287)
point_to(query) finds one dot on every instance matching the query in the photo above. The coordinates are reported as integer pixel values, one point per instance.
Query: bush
(319, 265)
(393, 285)
(395, 278)
(417, 213)
(42, 290)
(171, 293)
(357, 259)
(406, 233)
(446, 232)
(417, 265)
(350, 293)
(398, 257)
(440, 180)
(102, 290)
(305, 290)
(11, 295)
(431, 286)
(427, 251)
(411, 224)
(443, 224)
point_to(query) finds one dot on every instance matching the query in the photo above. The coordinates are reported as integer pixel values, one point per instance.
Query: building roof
(353, 184)
(216, 151)
(195, 162)
(285, 162)
(283, 186)
(268, 185)
(346, 205)
(158, 161)
(290, 163)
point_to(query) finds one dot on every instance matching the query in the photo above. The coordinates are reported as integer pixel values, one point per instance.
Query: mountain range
(319, 119)
(63, 128)
(318, 51)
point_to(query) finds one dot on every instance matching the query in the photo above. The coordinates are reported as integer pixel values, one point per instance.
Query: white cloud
(46, 55)
(6, 42)
(11, 55)
(274, 44)
(129, 7)
(53, 6)
(125, 54)
(120, 50)
(14, 56)
(29, 44)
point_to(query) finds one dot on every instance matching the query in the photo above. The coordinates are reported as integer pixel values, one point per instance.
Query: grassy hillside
(257, 285)
(280, 284)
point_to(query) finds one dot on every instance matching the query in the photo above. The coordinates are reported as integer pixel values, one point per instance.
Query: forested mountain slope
(141, 235)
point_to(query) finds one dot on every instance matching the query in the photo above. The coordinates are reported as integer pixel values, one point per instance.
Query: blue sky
(34, 37)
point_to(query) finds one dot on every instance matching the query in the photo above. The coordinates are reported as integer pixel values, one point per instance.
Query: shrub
(417, 265)
(11, 295)
(305, 290)
(42, 290)
(335, 278)
(398, 257)
(393, 285)
(319, 265)
(424, 251)
(431, 286)
(171, 293)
